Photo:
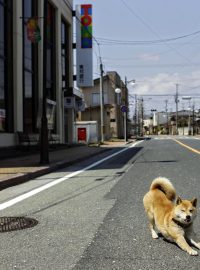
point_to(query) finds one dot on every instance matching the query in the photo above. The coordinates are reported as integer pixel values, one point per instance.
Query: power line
(145, 42)
(157, 65)
(154, 32)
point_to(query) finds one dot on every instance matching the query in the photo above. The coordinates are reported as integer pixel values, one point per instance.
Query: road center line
(187, 146)
(60, 180)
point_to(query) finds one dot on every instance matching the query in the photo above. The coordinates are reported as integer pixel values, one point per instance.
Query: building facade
(21, 69)
(113, 116)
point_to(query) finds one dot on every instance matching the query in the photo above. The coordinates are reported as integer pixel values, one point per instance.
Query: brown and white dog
(173, 221)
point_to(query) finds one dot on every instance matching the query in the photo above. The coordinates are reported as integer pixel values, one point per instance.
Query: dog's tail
(165, 186)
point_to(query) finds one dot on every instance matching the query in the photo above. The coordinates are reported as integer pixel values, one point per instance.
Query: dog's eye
(191, 210)
(182, 210)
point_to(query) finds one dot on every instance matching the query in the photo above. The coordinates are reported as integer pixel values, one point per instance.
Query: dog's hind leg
(152, 225)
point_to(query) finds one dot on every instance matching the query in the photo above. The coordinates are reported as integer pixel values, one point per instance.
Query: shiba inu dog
(173, 220)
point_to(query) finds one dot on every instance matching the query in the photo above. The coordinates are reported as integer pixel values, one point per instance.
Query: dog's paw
(154, 235)
(193, 252)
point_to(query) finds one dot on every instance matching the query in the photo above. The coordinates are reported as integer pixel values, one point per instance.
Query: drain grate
(8, 224)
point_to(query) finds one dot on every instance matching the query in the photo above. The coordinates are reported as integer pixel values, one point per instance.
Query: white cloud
(165, 84)
(146, 57)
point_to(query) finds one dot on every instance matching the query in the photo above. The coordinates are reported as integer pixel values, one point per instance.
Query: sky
(156, 43)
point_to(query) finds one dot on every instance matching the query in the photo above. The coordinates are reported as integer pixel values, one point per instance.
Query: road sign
(123, 108)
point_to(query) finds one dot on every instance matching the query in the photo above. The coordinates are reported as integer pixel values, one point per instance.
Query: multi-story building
(21, 68)
(113, 116)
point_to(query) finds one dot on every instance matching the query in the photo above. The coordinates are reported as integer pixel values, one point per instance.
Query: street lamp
(117, 90)
(131, 81)
(124, 111)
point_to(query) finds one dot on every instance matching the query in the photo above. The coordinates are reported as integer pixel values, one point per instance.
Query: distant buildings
(165, 123)
(113, 116)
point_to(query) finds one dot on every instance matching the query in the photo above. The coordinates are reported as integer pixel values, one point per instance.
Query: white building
(21, 66)
(159, 118)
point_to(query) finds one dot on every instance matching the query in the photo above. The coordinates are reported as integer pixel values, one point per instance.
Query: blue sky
(132, 35)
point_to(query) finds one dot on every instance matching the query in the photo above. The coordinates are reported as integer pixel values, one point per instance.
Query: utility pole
(142, 116)
(139, 116)
(44, 144)
(125, 113)
(166, 109)
(193, 120)
(136, 129)
(176, 101)
(101, 102)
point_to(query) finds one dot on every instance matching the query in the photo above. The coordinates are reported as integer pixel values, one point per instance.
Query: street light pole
(101, 102)
(176, 101)
(44, 144)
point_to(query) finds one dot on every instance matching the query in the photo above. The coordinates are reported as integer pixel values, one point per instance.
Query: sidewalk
(23, 167)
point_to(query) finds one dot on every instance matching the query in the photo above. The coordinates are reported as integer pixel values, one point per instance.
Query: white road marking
(60, 180)
(179, 138)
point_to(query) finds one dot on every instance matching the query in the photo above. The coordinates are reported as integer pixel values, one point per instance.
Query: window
(112, 120)
(6, 56)
(65, 57)
(96, 99)
(51, 71)
(30, 84)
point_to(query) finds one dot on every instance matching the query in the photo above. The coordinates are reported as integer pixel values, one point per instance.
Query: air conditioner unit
(69, 102)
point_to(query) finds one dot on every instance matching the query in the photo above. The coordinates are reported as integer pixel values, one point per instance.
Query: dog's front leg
(181, 242)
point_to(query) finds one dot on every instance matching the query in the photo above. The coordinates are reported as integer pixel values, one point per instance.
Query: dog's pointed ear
(178, 200)
(194, 202)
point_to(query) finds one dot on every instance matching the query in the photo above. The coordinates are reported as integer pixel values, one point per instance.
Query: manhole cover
(8, 224)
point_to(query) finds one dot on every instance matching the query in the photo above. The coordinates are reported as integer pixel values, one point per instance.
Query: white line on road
(60, 180)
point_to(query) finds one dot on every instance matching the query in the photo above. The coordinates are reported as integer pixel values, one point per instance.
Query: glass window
(1, 30)
(30, 70)
(50, 76)
(2, 71)
(96, 99)
(65, 56)
(6, 89)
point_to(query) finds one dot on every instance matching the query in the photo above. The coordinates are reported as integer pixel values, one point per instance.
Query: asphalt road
(94, 219)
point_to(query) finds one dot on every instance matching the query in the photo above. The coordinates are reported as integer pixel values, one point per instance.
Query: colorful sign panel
(33, 30)
(84, 53)
(86, 26)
